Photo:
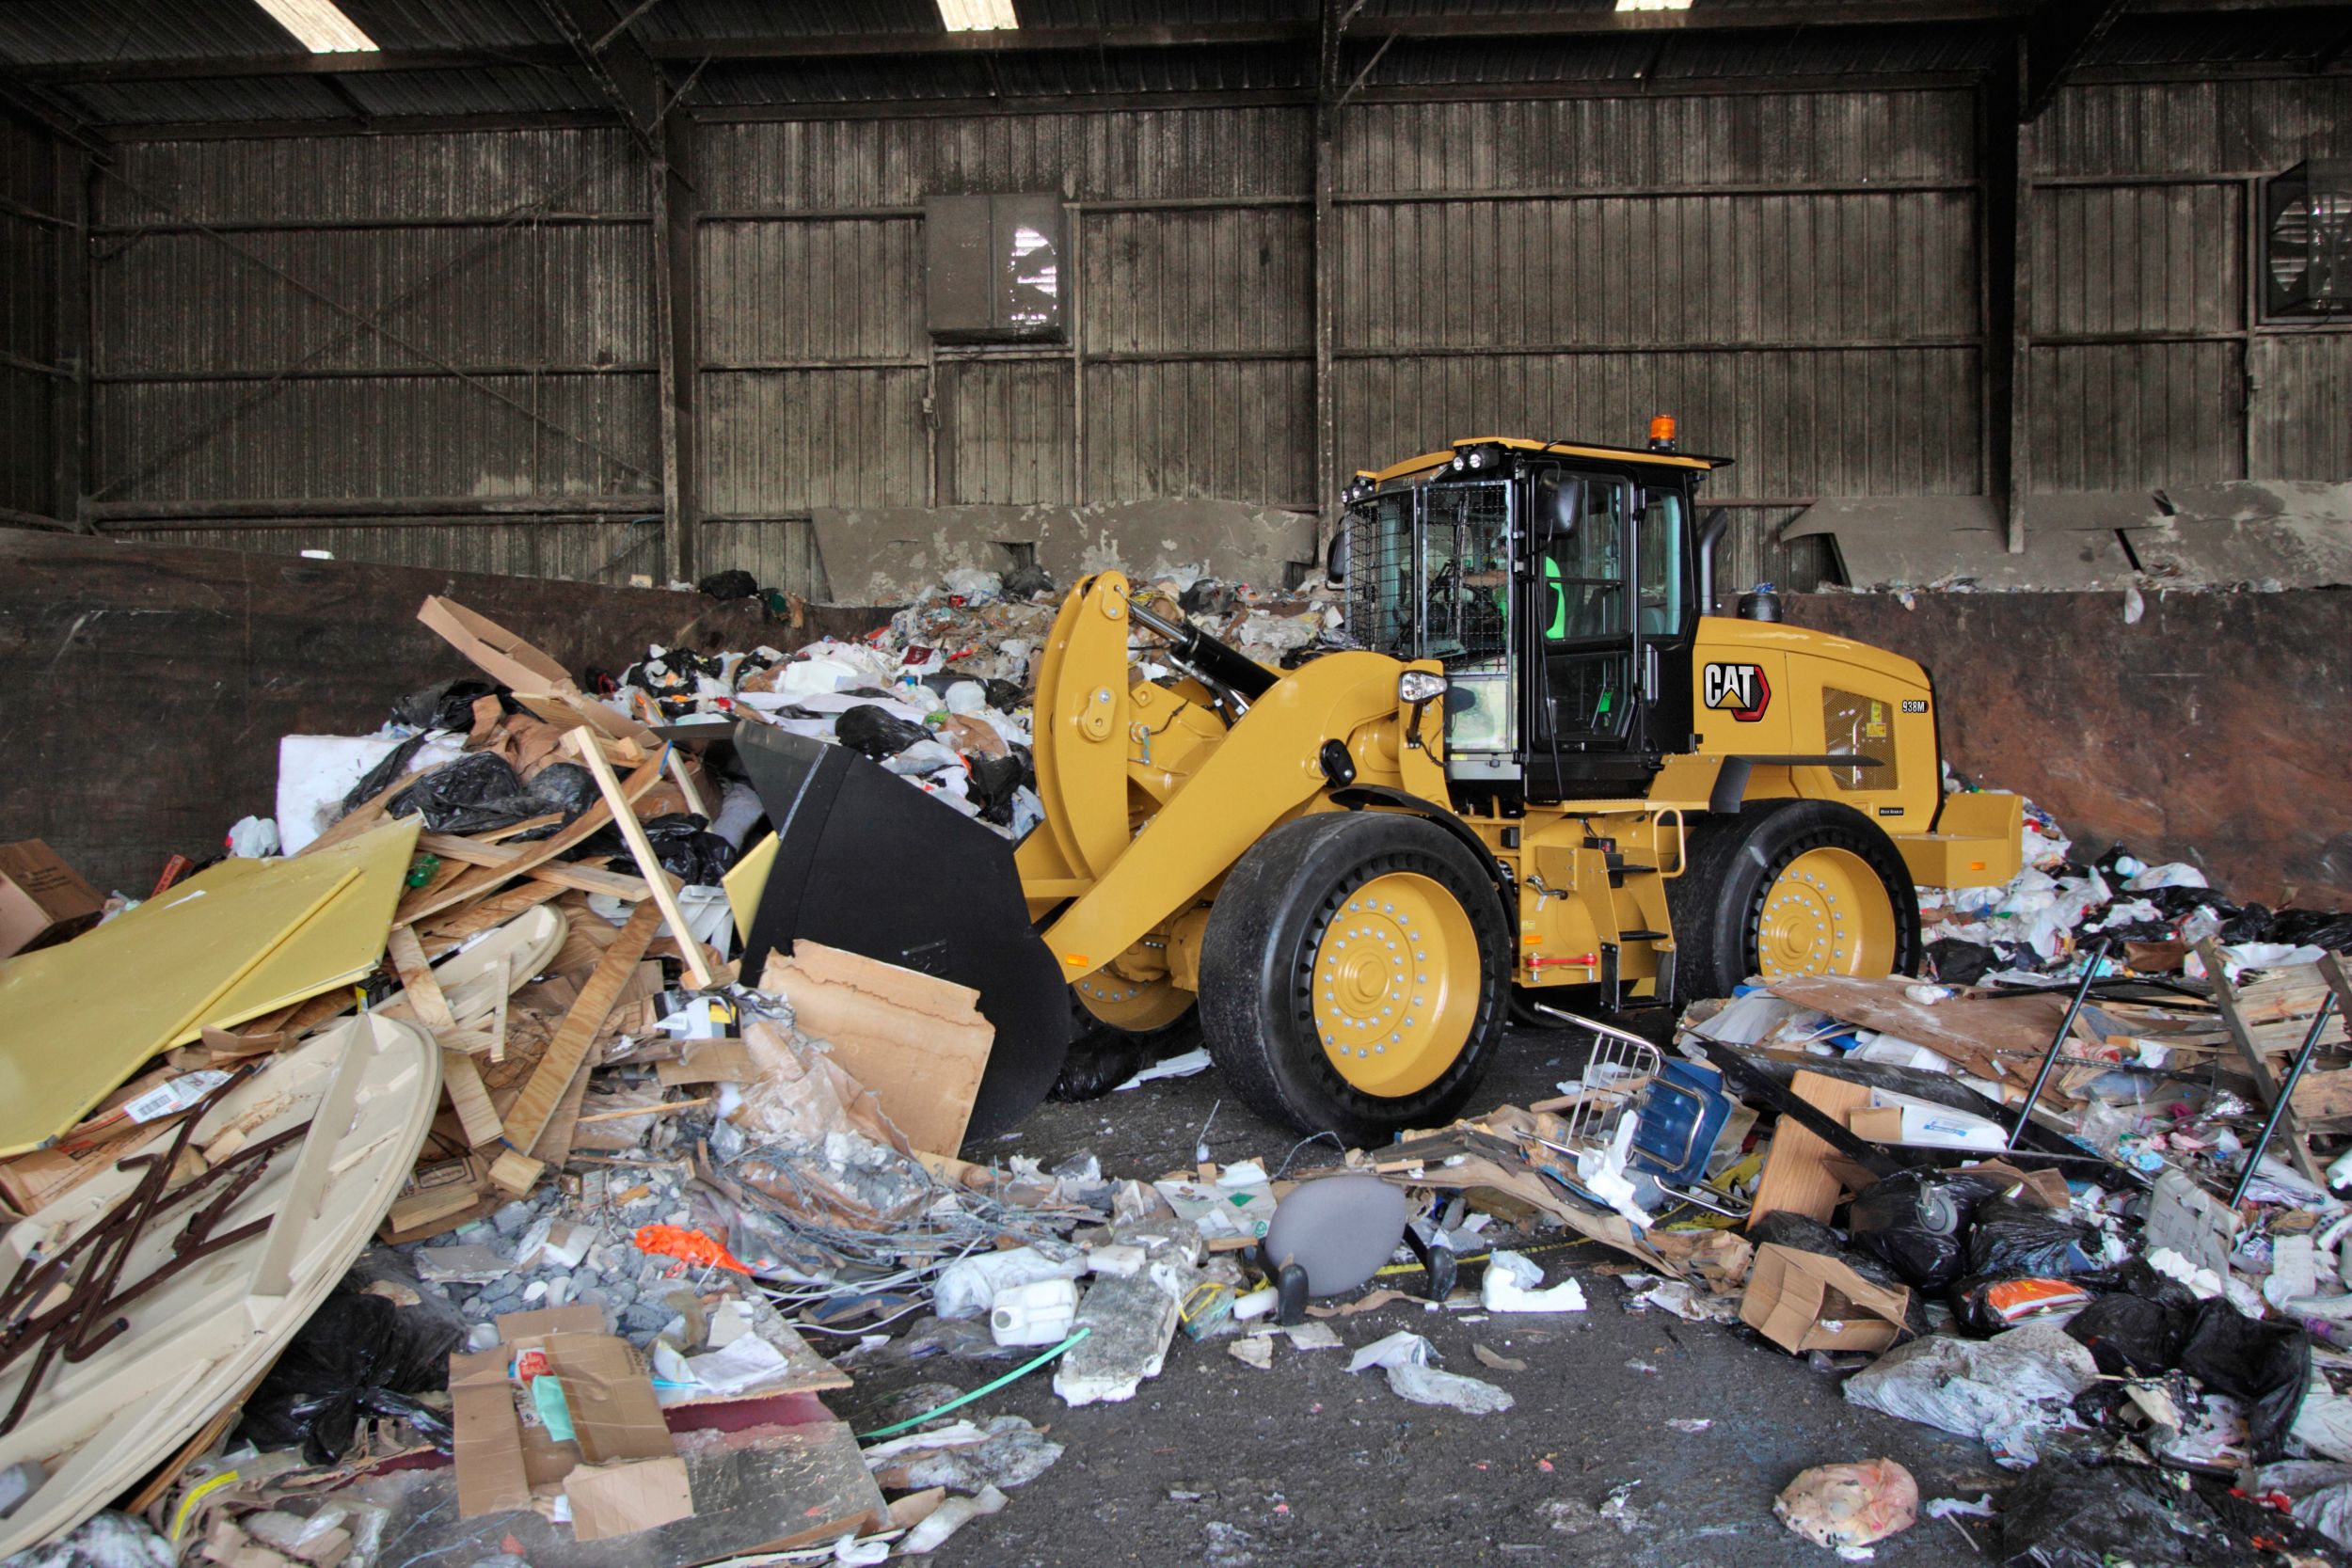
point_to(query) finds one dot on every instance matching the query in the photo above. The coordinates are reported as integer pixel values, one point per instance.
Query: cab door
(1609, 607)
(1580, 642)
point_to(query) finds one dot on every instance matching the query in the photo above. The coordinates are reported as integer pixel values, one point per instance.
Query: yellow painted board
(77, 1019)
(747, 881)
(342, 944)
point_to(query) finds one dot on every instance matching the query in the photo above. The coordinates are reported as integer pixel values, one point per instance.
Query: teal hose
(961, 1400)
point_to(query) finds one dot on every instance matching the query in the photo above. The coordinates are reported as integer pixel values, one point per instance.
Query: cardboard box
(42, 901)
(1899, 1118)
(1803, 1302)
(918, 1041)
(621, 1468)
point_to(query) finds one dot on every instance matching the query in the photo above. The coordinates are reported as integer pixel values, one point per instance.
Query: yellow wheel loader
(1541, 769)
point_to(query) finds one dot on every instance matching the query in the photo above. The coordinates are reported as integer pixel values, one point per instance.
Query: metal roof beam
(2057, 34)
(109, 72)
(622, 74)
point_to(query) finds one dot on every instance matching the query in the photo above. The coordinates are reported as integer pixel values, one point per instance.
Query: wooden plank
(482, 879)
(475, 1112)
(515, 1173)
(568, 1051)
(454, 846)
(555, 1144)
(629, 1112)
(1797, 1177)
(417, 983)
(584, 744)
(590, 878)
(2291, 1129)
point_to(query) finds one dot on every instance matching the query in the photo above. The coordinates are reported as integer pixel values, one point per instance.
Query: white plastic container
(1037, 1313)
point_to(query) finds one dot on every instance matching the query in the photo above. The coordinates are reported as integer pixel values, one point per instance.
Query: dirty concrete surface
(1305, 1465)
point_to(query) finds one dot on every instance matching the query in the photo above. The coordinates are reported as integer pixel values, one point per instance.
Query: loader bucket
(866, 862)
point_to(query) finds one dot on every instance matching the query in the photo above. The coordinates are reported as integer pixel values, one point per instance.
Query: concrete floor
(1218, 1463)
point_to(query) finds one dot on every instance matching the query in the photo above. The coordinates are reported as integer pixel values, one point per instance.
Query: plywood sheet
(1796, 1173)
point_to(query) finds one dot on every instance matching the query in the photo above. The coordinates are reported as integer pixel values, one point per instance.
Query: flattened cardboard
(614, 1412)
(1796, 1172)
(1803, 1302)
(918, 1041)
(488, 1446)
(622, 1499)
(42, 901)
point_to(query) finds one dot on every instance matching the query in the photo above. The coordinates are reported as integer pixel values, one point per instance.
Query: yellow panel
(341, 944)
(78, 1020)
(747, 881)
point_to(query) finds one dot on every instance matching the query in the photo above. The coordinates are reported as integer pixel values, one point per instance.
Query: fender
(1356, 797)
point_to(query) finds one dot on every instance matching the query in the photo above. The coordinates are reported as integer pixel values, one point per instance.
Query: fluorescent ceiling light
(1653, 4)
(978, 16)
(319, 26)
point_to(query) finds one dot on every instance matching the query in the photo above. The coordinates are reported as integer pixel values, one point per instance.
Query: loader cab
(1559, 586)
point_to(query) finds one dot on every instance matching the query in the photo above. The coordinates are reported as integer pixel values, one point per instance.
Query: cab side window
(1584, 588)
(1657, 550)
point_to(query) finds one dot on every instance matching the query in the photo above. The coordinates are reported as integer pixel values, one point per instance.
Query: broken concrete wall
(149, 685)
(884, 555)
(2212, 730)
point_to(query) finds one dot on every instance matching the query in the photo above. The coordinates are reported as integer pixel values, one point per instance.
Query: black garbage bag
(2139, 1322)
(449, 704)
(2012, 1241)
(1098, 1063)
(1917, 1221)
(385, 774)
(564, 788)
(682, 842)
(2268, 1364)
(876, 732)
(734, 583)
(358, 1354)
(992, 787)
(1004, 696)
(480, 791)
(2066, 1515)
(2327, 929)
(1959, 963)
(2131, 1335)
(471, 795)
(1025, 581)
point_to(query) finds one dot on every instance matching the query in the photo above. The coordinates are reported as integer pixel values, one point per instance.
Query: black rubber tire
(1103, 1055)
(1258, 955)
(1717, 901)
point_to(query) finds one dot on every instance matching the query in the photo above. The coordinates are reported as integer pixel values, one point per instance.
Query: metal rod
(2286, 1093)
(2058, 1042)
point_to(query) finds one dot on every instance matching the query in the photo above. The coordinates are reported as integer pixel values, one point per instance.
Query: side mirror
(1558, 505)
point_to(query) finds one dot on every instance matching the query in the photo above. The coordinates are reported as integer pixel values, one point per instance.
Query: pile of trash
(603, 1281)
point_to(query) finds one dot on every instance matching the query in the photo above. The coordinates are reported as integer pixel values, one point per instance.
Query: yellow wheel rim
(1134, 1006)
(1396, 984)
(1826, 913)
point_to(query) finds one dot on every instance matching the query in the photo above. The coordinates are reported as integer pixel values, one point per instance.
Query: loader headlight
(1419, 686)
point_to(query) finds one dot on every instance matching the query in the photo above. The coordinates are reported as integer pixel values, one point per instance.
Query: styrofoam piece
(368, 1087)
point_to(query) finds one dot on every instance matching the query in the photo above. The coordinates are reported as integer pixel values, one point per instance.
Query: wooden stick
(475, 1112)
(498, 1013)
(568, 1050)
(583, 742)
(663, 1109)
(416, 979)
(686, 782)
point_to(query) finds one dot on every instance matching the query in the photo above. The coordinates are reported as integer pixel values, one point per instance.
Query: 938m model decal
(1738, 689)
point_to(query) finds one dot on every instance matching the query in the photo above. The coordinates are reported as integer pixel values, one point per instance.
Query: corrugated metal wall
(1189, 372)
(29, 307)
(1796, 274)
(460, 316)
(2151, 365)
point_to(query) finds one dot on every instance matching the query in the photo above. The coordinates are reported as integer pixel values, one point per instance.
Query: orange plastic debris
(687, 1246)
